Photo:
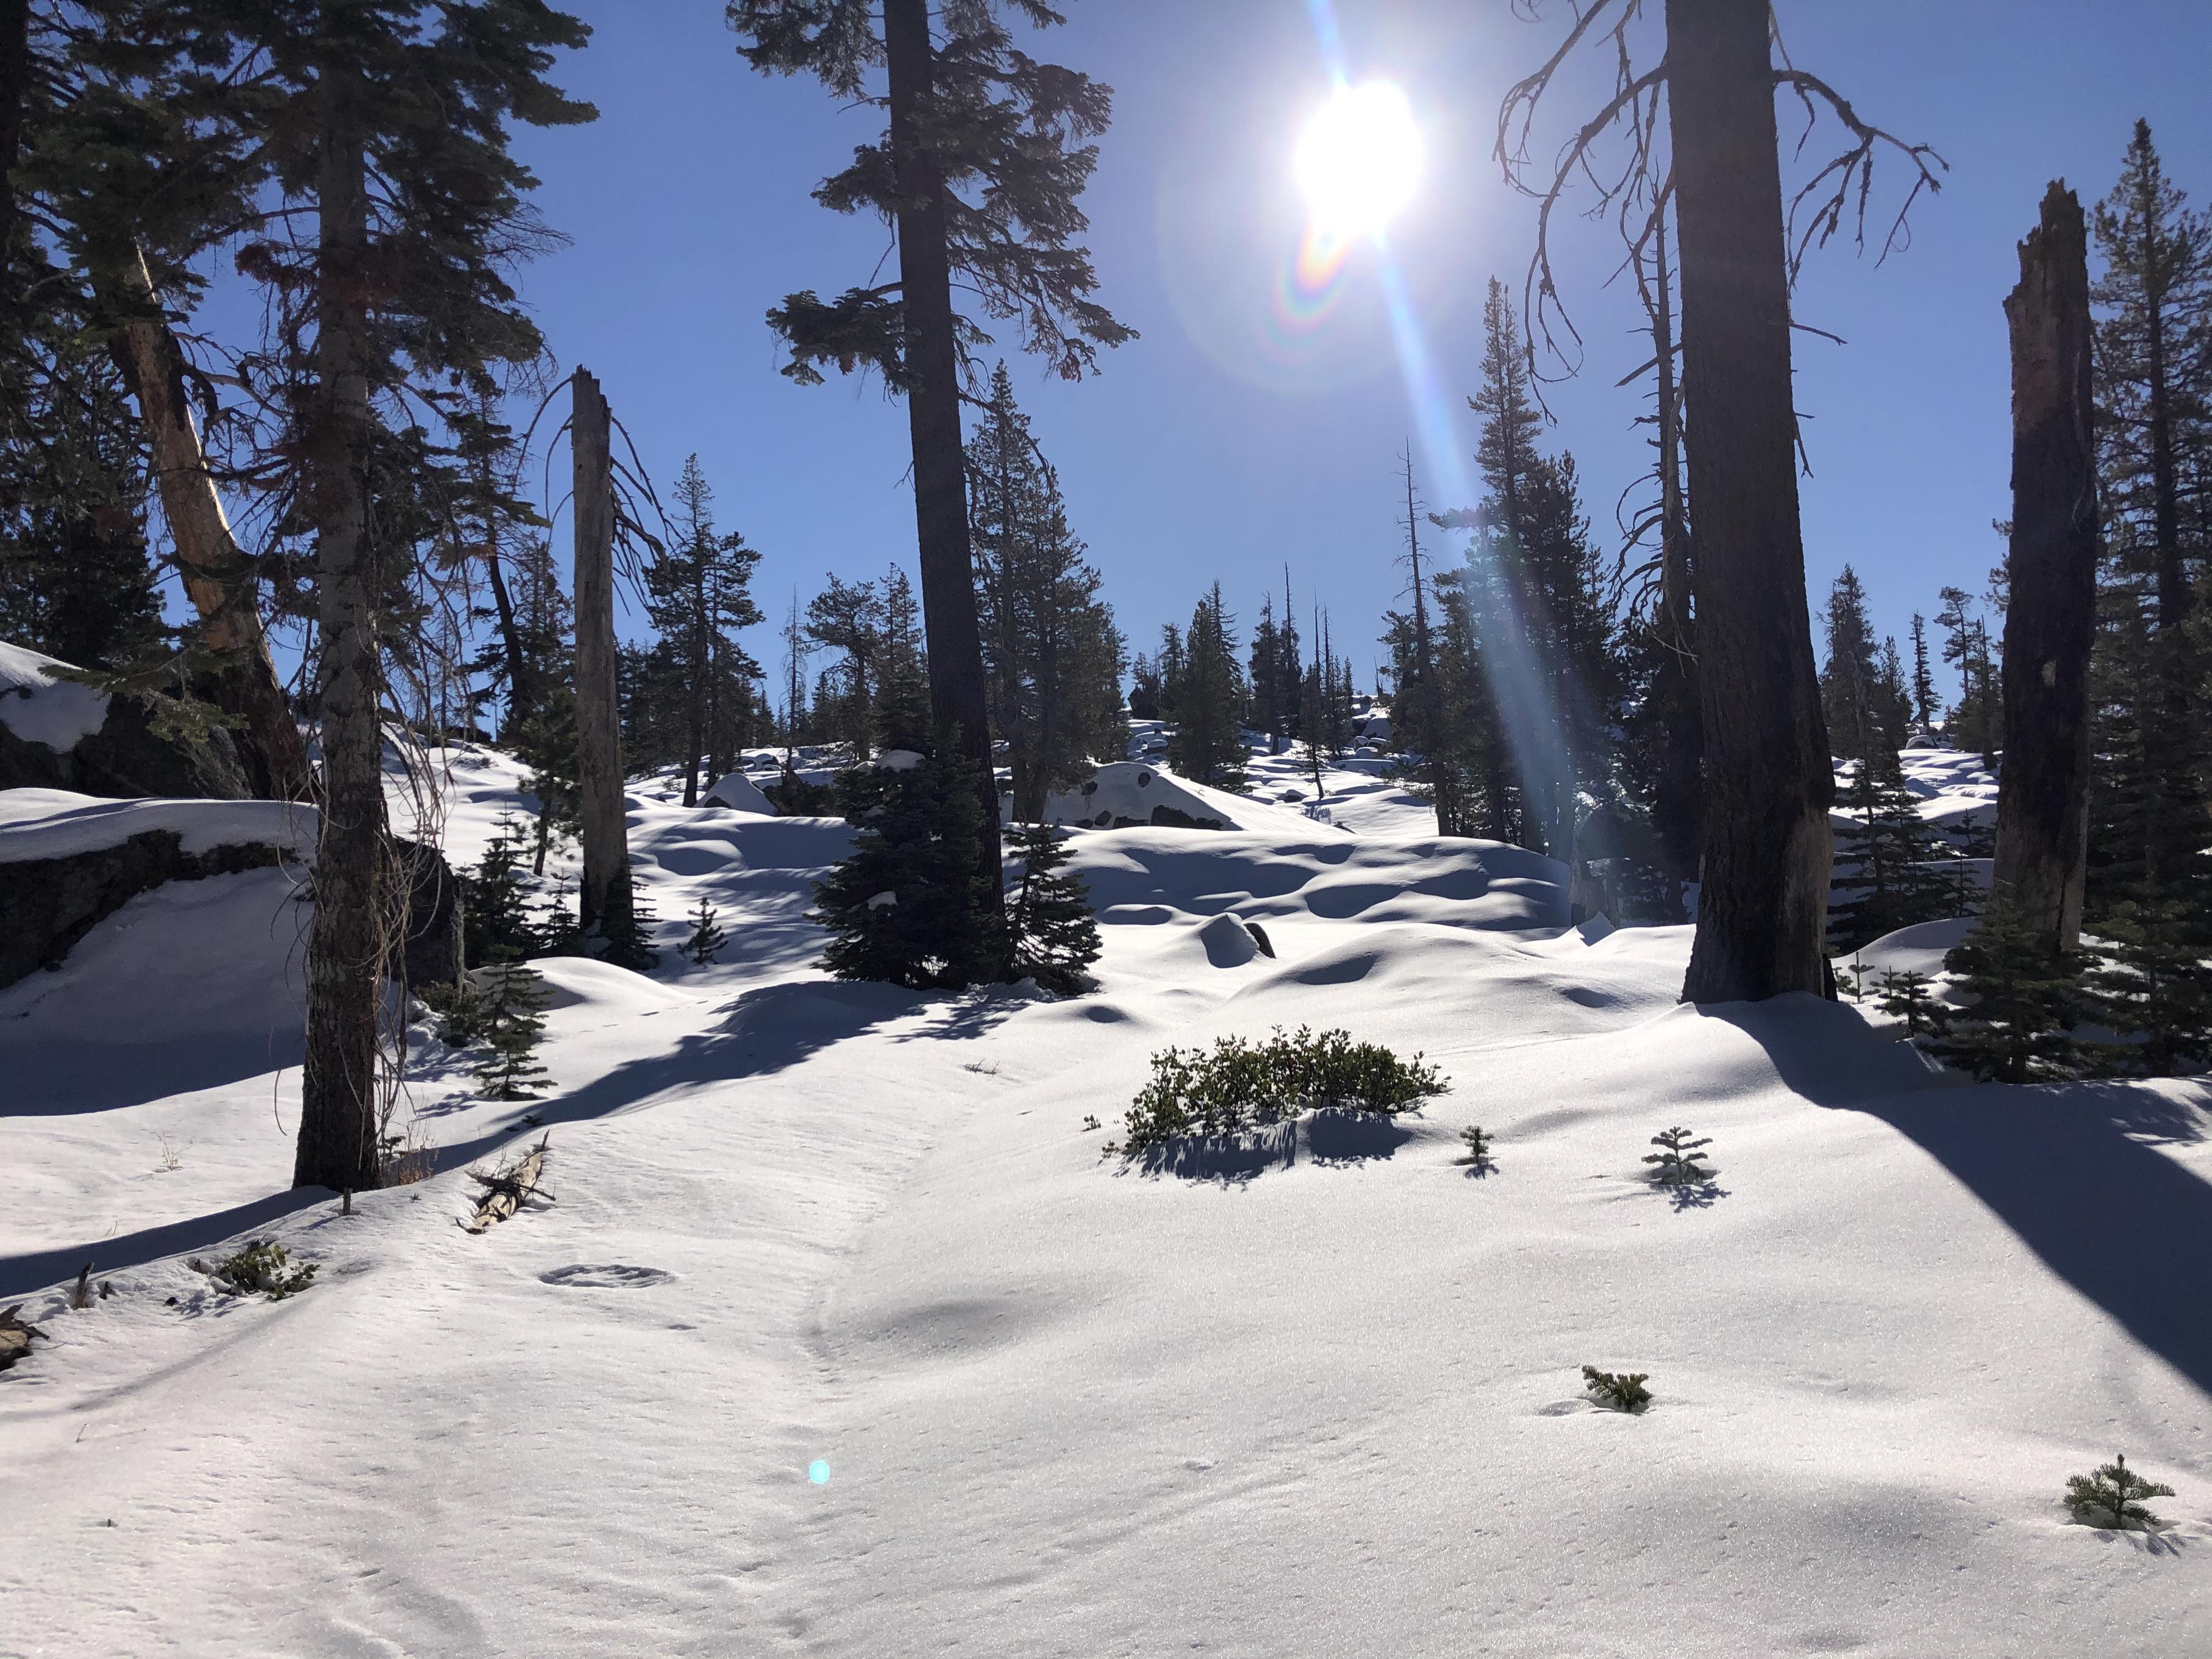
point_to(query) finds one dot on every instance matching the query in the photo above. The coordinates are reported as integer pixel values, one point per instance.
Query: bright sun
(1359, 158)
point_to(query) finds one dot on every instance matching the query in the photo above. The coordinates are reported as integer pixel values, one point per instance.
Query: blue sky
(1224, 445)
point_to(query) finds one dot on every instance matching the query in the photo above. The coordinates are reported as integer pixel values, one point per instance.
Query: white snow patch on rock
(39, 706)
(741, 794)
(51, 823)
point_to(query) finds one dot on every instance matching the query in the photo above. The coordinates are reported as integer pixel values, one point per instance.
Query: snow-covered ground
(843, 1337)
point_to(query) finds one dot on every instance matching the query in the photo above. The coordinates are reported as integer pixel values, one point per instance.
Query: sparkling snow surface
(843, 1338)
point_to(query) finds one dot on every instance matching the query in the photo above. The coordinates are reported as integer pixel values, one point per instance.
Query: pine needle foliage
(264, 1268)
(1478, 1141)
(2113, 1496)
(495, 906)
(1055, 933)
(517, 996)
(1617, 1391)
(1678, 1158)
(1240, 1085)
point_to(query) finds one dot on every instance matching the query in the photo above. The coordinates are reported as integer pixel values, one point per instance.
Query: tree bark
(2043, 791)
(15, 92)
(604, 900)
(214, 572)
(1678, 793)
(346, 943)
(1762, 911)
(957, 694)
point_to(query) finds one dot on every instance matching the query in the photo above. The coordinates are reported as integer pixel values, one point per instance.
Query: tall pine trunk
(346, 943)
(604, 900)
(1677, 801)
(2051, 623)
(15, 92)
(958, 697)
(1762, 911)
(215, 573)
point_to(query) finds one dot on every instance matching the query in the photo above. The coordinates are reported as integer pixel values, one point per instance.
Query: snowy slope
(1312, 1395)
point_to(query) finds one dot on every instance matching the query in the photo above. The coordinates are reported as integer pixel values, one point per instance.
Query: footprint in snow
(605, 1276)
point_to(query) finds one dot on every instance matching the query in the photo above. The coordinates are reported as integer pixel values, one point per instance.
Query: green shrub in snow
(1621, 1392)
(2112, 1496)
(266, 1268)
(1240, 1085)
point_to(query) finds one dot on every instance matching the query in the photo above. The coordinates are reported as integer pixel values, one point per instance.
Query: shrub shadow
(1329, 1135)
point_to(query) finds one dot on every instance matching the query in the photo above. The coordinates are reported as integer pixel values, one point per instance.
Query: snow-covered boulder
(740, 794)
(59, 734)
(1131, 794)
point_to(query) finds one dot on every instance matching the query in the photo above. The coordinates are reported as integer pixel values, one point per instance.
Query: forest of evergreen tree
(1544, 681)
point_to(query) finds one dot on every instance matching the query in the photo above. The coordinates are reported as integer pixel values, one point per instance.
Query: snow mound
(1134, 874)
(52, 823)
(1919, 949)
(1228, 942)
(741, 794)
(1125, 794)
(39, 706)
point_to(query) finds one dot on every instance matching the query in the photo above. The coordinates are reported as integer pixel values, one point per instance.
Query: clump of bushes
(1240, 1085)
(264, 1268)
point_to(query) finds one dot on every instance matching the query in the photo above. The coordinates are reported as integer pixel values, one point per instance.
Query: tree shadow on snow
(1329, 1135)
(763, 1032)
(2068, 1167)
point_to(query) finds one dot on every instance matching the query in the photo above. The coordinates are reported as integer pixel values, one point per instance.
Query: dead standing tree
(2051, 623)
(1762, 908)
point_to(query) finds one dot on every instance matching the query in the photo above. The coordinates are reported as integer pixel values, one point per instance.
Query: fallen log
(504, 1193)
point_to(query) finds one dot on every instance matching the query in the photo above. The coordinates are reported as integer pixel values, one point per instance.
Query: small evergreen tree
(494, 907)
(1207, 744)
(705, 938)
(2024, 1002)
(2112, 1496)
(1478, 1141)
(2156, 982)
(515, 1025)
(1905, 996)
(905, 906)
(1888, 880)
(1617, 1391)
(1055, 934)
(1678, 1159)
(626, 938)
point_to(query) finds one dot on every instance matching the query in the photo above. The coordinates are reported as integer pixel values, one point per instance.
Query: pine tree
(516, 998)
(2154, 982)
(1207, 744)
(698, 596)
(1049, 919)
(1052, 654)
(1924, 682)
(1849, 678)
(707, 938)
(1904, 995)
(904, 906)
(390, 120)
(1977, 719)
(1886, 876)
(2022, 1003)
(495, 907)
(847, 617)
(978, 173)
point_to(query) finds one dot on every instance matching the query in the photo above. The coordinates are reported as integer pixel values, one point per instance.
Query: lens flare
(818, 1473)
(1359, 158)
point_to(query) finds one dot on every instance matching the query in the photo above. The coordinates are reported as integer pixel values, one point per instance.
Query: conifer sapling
(517, 996)
(1621, 1392)
(2112, 1496)
(1678, 1158)
(1479, 1141)
(706, 937)
(1055, 936)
